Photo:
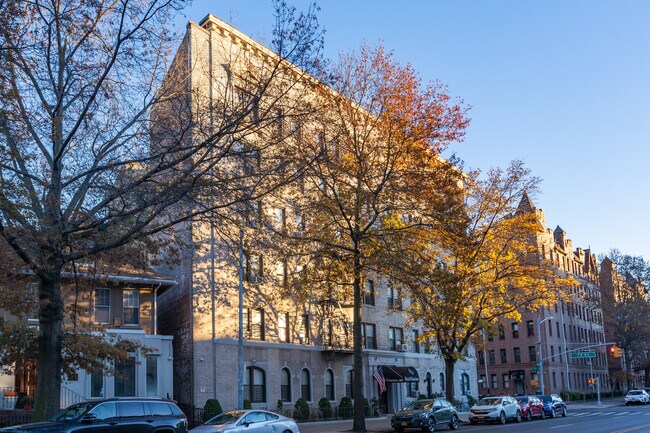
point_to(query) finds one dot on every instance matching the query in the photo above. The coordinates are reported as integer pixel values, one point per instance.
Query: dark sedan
(553, 405)
(425, 415)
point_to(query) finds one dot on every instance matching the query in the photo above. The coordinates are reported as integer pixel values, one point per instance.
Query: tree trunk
(359, 421)
(50, 346)
(628, 369)
(449, 378)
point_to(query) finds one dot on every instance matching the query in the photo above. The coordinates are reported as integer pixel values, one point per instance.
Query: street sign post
(583, 355)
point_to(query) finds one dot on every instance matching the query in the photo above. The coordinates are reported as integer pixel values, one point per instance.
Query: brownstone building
(617, 289)
(510, 360)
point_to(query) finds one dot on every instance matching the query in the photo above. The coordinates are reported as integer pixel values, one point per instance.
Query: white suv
(637, 396)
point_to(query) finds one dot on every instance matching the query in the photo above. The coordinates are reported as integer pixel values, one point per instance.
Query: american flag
(379, 377)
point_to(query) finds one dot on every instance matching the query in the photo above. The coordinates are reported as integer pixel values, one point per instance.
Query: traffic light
(591, 381)
(615, 351)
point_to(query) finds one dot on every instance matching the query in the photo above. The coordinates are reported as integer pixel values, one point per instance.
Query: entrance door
(519, 387)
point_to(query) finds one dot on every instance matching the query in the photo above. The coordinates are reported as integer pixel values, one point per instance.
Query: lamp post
(539, 344)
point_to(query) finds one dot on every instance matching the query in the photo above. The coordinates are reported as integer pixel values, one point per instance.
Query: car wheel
(431, 424)
(543, 415)
(627, 403)
(502, 418)
(454, 422)
(564, 412)
(553, 414)
(518, 416)
(529, 416)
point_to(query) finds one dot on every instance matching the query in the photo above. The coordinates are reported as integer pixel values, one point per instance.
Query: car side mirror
(89, 417)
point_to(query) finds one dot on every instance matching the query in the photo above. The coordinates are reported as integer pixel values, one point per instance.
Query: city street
(612, 419)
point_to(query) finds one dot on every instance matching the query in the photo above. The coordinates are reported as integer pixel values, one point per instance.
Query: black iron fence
(14, 417)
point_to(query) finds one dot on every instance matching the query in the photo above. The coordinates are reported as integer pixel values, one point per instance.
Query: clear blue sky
(563, 85)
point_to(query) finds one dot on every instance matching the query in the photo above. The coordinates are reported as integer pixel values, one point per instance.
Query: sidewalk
(382, 423)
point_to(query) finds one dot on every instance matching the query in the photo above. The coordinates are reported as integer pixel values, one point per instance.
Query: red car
(531, 407)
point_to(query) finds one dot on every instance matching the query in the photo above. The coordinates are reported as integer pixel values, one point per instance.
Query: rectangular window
(481, 358)
(131, 307)
(484, 383)
(532, 353)
(254, 268)
(152, 376)
(413, 389)
(502, 332)
(515, 330)
(279, 219)
(368, 336)
(304, 329)
(283, 327)
(495, 384)
(394, 301)
(97, 383)
(504, 356)
(550, 328)
(253, 323)
(530, 328)
(102, 306)
(506, 380)
(416, 342)
(492, 358)
(395, 337)
(253, 214)
(281, 273)
(552, 353)
(517, 352)
(125, 378)
(369, 293)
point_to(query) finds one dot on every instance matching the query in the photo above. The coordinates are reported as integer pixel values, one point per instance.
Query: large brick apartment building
(509, 361)
(292, 347)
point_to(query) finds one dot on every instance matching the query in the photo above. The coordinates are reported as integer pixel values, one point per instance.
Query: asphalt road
(612, 419)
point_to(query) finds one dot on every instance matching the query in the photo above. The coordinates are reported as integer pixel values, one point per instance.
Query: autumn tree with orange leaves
(482, 264)
(377, 144)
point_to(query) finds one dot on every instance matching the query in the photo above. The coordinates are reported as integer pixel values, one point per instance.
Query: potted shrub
(325, 408)
(301, 410)
(211, 409)
(345, 407)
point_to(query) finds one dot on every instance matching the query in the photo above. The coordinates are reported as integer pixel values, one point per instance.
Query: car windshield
(546, 399)
(72, 412)
(634, 393)
(225, 418)
(522, 399)
(490, 401)
(418, 405)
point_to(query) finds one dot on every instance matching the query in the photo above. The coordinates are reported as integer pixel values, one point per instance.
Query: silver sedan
(249, 421)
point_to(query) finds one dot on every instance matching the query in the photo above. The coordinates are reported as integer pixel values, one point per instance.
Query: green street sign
(583, 355)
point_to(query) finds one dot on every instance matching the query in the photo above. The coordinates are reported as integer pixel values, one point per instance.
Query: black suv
(114, 415)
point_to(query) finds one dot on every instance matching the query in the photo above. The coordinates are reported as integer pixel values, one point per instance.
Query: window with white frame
(329, 385)
(305, 384)
(124, 382)
(285, 384)
(102, 307)
(131, 307)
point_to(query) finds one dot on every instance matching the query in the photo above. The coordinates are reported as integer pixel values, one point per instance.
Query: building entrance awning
(400, 374)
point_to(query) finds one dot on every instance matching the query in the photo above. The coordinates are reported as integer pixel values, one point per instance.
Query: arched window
(428, 384)
(305, 384)
(441, 378)
(255, 385)
(285, 384)
(329, 384)
(464, 383)
(349, 381)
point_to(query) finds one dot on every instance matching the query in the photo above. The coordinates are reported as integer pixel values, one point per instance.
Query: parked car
(249, 421)
(112, 415)
(531, 407)
(553, 405)
(637, 396)
(425, 414)
(495, 409)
